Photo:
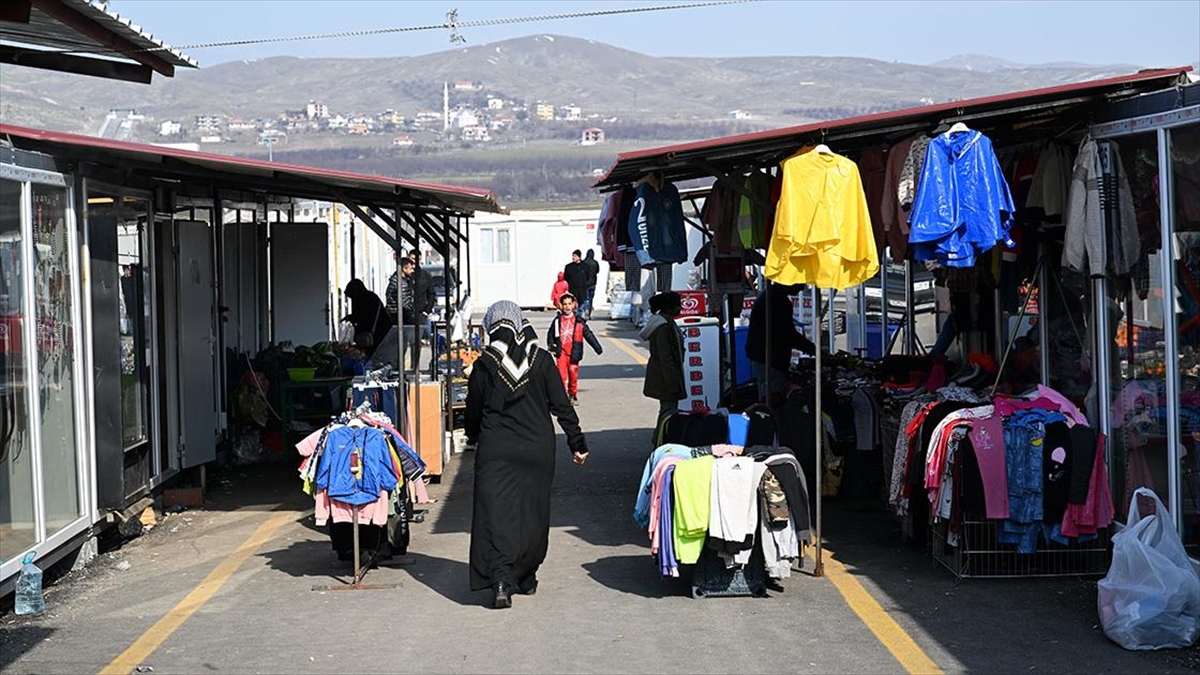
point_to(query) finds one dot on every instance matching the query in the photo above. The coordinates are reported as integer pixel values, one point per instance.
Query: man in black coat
(575, 274)
(593, 276)
(785, 337)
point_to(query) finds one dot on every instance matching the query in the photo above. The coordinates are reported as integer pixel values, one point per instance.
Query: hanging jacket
(1083, 241)
(664, 370)
(822, 231)
(656, 226)
(581, 332)
(335, 473)
(963, 205)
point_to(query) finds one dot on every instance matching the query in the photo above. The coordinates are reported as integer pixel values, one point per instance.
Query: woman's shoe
(502, 595)
(528, 586)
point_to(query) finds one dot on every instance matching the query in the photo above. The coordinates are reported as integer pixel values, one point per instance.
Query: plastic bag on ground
(1150, 598)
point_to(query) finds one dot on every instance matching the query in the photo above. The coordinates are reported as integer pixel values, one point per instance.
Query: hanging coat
(963, 204)
(822, 231)
(656, 226)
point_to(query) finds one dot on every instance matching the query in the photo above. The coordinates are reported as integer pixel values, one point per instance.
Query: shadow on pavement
(447, 578)
(634, 574)
(16, 641)
(610, 371)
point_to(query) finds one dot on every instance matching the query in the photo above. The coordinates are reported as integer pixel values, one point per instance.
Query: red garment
(910, 432)
(560, 287)
(569, 371)
(1097, 512)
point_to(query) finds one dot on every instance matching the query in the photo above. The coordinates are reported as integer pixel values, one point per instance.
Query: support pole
(357, 568)
(819, 566)
(1013, 337)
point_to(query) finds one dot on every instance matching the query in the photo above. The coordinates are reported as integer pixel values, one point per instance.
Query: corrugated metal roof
(693, 160)
(89, 28)
(258, 174)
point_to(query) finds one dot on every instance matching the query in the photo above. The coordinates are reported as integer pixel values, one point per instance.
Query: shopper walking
(664, 370)
(593, 277)
(575, 274)
(513, 390)
(560, 287)
(568, 331)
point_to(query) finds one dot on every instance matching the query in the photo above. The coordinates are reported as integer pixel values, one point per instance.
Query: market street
(229, 588)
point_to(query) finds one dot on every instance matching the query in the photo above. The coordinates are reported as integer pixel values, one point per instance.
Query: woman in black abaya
(513, 390)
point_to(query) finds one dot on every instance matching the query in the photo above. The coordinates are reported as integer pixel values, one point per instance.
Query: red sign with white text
(695, 303)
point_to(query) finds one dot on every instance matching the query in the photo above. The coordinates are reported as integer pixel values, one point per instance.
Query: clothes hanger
(956, 128)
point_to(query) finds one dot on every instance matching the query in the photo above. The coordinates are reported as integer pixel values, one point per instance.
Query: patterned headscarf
(512, 342)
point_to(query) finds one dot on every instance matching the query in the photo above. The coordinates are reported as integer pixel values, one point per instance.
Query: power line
(452, 24)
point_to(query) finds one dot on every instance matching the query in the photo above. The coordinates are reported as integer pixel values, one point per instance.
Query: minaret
(445, 106)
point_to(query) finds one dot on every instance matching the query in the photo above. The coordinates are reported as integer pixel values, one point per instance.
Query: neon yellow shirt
(692, 486)
(822, 232)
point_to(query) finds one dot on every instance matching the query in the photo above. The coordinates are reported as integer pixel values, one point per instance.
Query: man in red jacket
(568, 331)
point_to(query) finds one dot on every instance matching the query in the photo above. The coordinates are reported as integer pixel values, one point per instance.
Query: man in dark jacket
(593, 276)
(424, 297)
(369, 316)
(784, 338)
(575, 274)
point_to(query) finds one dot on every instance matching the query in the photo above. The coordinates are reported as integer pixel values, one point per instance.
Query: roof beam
(79, 65)
(102, 35)
(16, 11)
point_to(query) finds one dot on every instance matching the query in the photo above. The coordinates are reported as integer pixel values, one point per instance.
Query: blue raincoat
(656, 226)
(335, 473)
(963, 205)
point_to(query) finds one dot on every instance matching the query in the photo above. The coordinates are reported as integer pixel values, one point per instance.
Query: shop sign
(695, 303)
(701, 360)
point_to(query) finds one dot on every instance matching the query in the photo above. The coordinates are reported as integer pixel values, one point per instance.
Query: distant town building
(476, 133)
(592, 136)
(463, 118)
(208, 122)
(210, 139)
(740, 115)
(544, 111)
(241, 125)
(317, 110)
(465, 85)
(571, 113)
(127, 113)
(402, 142)
(495, 103)
(170, 128)
(499, 122)
(358, 128)
(338, 122)
(392, 117)
(429, 116)
(272, 136)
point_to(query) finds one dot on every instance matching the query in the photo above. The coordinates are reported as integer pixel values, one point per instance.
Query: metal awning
(1013, 113)
(252, 174)
(83, 37)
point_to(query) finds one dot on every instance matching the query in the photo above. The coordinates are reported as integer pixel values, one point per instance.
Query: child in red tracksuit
(565, 340)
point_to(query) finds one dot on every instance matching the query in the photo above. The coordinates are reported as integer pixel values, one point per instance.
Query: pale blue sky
(1144, 33)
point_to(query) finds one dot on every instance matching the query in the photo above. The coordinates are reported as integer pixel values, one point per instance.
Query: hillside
(600, 78)
(639, 100)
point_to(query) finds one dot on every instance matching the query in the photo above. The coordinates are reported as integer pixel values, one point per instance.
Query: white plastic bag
(1150, 598)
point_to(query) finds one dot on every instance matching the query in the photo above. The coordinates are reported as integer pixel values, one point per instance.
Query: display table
(319, 390)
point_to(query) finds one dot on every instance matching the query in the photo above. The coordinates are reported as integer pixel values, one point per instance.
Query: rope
(452, 24)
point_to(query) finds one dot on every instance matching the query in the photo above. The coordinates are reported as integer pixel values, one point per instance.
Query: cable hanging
(452, 24)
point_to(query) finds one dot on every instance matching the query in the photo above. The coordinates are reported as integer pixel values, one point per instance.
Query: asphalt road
(229, 588)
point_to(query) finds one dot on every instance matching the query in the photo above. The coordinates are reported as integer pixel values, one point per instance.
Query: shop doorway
(300, 282)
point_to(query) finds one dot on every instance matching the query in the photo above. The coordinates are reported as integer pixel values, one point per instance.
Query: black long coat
(514, 466)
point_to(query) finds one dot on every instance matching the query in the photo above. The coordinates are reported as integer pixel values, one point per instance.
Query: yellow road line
(145, 645)
(886, 630)
(623, 346)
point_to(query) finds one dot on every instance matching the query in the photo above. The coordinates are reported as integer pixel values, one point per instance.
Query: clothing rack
(361, 567)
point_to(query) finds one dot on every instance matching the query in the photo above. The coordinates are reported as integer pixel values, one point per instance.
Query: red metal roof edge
(45, 135)
(895, 114)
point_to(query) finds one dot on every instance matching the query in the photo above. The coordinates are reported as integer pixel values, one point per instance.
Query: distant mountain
(991, 64)
(599, 78)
